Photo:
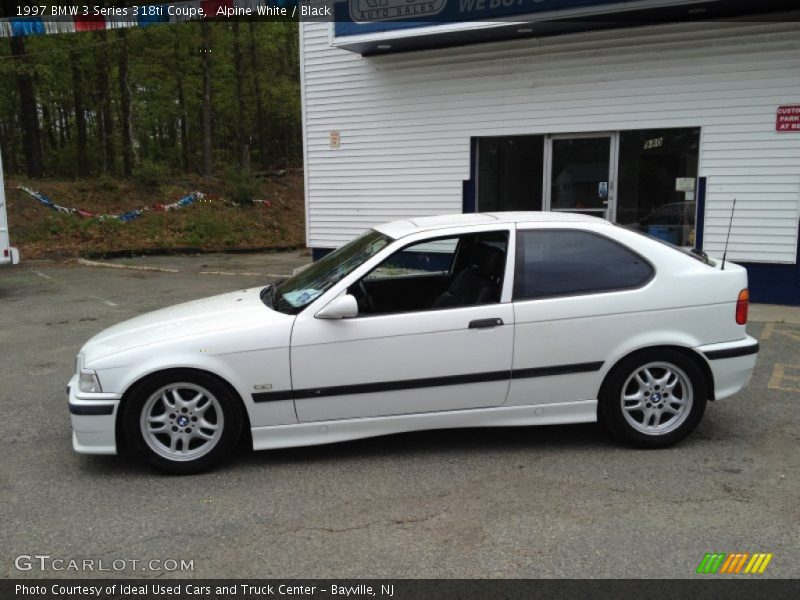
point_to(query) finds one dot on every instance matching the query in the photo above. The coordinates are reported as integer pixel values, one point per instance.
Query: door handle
(485, 323)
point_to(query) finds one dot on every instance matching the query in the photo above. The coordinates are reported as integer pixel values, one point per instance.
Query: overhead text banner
(32, 19)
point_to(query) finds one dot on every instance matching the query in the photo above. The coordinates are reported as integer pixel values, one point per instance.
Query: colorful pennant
(125, 217)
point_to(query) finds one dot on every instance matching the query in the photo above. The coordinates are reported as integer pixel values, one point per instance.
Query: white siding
(406, 120)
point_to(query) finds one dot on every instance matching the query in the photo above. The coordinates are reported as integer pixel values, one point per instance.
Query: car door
(577, 300)
(423, 359)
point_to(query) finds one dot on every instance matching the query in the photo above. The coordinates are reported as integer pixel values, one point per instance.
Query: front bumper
(93, 420)
(732, 365)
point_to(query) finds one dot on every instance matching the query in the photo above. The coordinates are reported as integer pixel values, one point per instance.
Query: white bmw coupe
(471, 320)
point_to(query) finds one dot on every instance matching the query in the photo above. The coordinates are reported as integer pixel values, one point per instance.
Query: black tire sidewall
(611, 407)
(231, 410)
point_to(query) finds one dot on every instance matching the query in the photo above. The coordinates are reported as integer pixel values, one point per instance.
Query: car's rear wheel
(182, 422)
(653, 399)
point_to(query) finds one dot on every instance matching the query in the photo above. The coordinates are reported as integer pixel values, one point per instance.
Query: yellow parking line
(780, 380)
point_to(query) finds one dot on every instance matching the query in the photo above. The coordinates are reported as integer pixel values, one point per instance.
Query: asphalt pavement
(562, 501)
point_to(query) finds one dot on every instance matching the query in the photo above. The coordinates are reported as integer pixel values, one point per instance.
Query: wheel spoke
(638, 395)
(199, 433)
(192, 404)
(631, 407)
(167, 402)
(203, 424)
(200, 409)
(179, 402)
(671, 382)
(157, 426)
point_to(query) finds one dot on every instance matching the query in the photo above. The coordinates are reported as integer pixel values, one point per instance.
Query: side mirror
(343, 307)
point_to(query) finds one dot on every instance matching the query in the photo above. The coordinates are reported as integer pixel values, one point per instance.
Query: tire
(182, 421)
(653, 399)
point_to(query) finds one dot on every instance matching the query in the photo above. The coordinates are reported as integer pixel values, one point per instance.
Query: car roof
(403, 227)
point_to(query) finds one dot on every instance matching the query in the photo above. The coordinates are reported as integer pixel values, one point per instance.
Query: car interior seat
(478, 282)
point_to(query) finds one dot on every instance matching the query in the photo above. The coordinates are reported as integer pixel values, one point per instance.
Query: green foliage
(150, 175)
(203, 227)
(244, 186)
(164, 60)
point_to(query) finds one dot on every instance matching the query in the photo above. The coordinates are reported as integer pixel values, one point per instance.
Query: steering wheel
(366, 297)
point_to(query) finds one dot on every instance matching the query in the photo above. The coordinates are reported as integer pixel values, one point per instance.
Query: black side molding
(732, 352)
(557, 370)
(411, 384)
(94, 409)
(273, 396)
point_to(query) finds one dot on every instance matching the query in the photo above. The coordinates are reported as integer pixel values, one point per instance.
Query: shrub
(243, 185)
(149, 174)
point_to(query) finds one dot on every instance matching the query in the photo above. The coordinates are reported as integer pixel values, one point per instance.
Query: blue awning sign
(362, 11)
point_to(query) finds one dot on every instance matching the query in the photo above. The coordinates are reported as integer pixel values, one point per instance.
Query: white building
(660, 126)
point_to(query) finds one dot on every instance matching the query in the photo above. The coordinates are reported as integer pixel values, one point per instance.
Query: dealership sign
(788, 119)
(359, 17)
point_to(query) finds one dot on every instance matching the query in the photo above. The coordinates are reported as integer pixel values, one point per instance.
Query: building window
(657, 181)
(510, 173)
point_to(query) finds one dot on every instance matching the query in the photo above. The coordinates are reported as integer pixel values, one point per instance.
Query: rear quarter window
(563, 262)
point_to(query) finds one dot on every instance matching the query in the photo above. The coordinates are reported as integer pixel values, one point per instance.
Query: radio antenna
(730, 225)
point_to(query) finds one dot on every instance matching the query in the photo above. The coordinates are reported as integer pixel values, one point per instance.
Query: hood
(234, 310)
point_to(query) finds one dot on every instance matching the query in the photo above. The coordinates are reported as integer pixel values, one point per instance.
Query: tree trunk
(106, 116)
(82, 154)
(29, 114)
(49, 127)
(184, 128)
(241, 140)
(125, 105)
(260, 125)
(205, 31)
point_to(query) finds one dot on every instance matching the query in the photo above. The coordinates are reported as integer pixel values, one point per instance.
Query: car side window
(564, 262)
(427, 258)
(449, 272)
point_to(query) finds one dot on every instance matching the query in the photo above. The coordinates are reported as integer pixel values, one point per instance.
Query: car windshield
(294, 294)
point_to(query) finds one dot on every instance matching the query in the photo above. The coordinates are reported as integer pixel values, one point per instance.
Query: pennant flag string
(125, 217)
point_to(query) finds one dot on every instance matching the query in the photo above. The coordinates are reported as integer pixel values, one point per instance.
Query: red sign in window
(788, 119)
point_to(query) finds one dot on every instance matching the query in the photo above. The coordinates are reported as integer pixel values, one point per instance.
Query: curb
(107, 265)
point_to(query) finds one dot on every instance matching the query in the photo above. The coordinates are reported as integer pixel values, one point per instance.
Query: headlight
(87, 379)
(88, 382)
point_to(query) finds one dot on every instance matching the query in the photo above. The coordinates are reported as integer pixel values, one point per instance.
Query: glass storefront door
(580, 174)
(643, 178)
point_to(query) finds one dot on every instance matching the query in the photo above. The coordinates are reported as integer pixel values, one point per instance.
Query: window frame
(518, 257)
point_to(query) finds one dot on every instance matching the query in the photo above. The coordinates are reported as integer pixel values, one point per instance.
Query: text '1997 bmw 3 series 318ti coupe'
(473, 320)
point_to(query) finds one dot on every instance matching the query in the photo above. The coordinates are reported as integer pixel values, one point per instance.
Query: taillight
(5, 252)
(742, 303)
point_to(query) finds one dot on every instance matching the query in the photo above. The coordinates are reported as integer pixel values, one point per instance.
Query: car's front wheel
(181, 421)
(653, 399)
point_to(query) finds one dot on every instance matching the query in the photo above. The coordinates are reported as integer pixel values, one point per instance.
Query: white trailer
(8, 254)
